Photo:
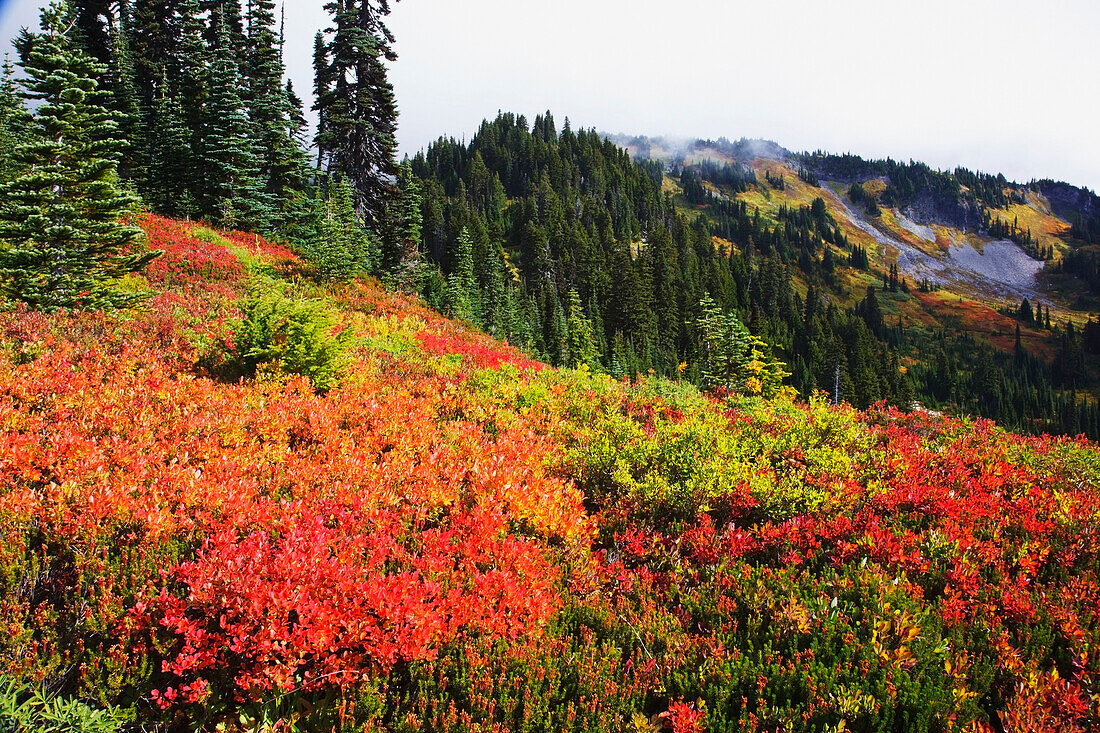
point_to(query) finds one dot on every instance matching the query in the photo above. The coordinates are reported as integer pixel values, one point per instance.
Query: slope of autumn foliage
(456, 538)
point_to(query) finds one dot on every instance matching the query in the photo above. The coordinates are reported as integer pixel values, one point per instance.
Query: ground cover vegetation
(448, 535)
(285, 495)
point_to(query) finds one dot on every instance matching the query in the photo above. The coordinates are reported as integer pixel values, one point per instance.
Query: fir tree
(153, 45)
(169, 161)
(355, 99)
(15, 122)
(733, 358)
(63, 244)
(401, 256)
(92, 22)
(234, 193)
(497, 299)
(282, 160)
(322, 89)
(582, 340)
(191, 91)
(461, 297)
(341, 247)
(121, 85)
(296, 118)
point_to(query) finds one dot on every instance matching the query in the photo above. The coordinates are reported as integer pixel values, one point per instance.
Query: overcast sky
(998, 85)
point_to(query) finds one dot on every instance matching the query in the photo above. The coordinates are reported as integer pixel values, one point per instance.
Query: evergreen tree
(1024, 312)
(63, 244)
(234, 192)
(296, 118)
(582, 340)
(15, 122)
(322, 89)
(169, 161)
(191, 93)
(410, 219)
(498, 298)
(461, 297)
(282, 160)
(341, 248)
(732, 357)
(153, 44)
(92, 22)
(355, 99)
(122, 87)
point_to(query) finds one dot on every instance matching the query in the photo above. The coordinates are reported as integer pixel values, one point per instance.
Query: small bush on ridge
(295, 336)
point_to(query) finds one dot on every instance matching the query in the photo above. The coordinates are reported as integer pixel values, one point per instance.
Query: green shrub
(293, 335)
(24, 710)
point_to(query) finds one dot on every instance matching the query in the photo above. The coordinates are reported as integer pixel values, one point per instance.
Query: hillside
(943, 237)
(840, 270)
(437, 533)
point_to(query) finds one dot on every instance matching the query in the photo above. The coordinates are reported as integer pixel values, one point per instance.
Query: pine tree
(322, 89)
(732, 357)
(234, 192)
(497, 300)
(410, 219)
(191, 92)
(91, 27)
(153, 45)
(355, 100)
(401, 252)
(282, 161)
(462, 298)
(341, 248)
(123, 89)
(582, 341)
(170, 161)
(296, 118)
(59, 220)
(15, 122)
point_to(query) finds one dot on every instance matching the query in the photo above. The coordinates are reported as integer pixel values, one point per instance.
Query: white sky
(999, 85)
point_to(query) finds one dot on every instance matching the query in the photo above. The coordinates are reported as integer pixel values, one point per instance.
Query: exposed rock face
(1068, 201)
(926, 208)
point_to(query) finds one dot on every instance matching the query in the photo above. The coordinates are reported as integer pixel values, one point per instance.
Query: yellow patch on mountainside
(724, 246)
(1046, 229)
(875, 187)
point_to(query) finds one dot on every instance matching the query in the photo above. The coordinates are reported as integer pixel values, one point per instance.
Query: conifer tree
(191, 92)
(63, 243)
(341, 248)
(14, 122)
(170, 162)
(355, 99)
(153, 45)
(296, 118)
(92, 22)
(282, 160)
(733, 358)
(497, 303)
(582, 341)
(234, 194)
(403, 227)
(410, 220)
(557, 329)
(461, 297)
(322, 89)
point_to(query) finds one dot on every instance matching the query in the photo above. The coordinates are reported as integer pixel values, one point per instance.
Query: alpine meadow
(540, 429)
